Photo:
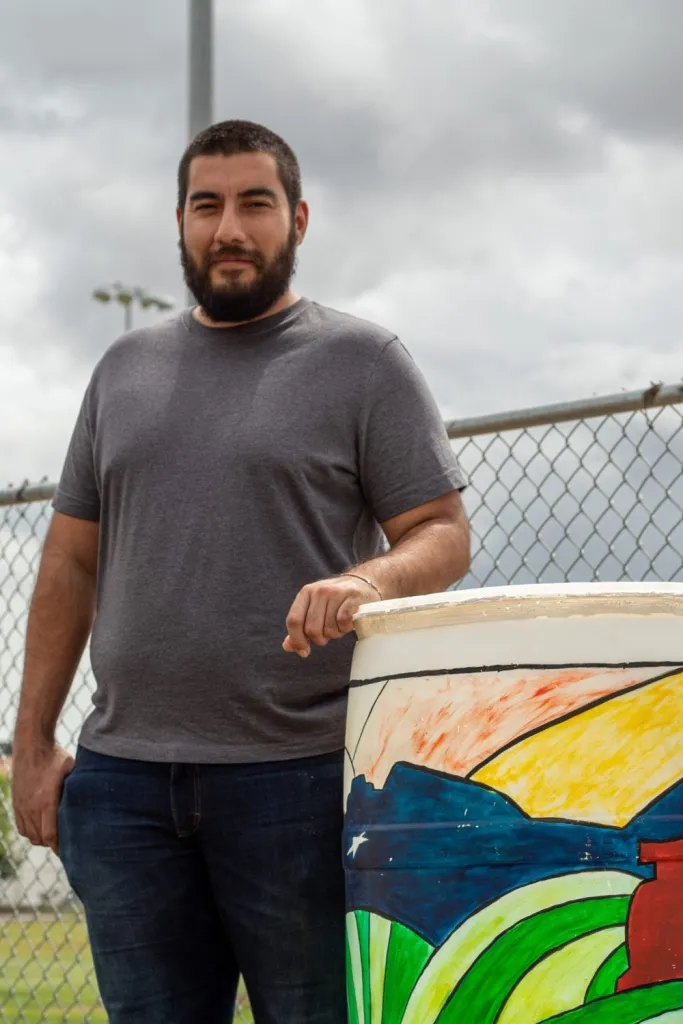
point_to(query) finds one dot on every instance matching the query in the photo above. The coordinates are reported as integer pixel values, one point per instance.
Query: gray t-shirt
(227, 468)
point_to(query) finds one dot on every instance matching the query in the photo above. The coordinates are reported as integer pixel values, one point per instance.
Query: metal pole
(128, 316)
(200, 66)
(200, 73)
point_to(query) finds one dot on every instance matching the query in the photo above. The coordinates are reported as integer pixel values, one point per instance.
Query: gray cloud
(620, 60)
(500, 183)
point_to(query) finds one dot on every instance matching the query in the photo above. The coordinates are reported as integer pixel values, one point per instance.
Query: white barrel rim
(522, 601)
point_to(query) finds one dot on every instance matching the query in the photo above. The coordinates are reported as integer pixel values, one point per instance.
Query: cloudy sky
(501, 183)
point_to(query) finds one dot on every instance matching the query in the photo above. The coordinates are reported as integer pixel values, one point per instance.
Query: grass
(46, 973)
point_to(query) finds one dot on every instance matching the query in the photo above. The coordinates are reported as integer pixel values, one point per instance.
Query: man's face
(238, 239)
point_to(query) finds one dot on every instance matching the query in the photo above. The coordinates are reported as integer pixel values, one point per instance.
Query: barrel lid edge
(522, 592)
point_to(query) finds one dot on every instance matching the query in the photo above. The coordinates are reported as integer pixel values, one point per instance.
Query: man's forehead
(236, 173)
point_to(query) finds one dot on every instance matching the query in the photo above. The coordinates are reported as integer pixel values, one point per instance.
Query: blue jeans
(192, 874)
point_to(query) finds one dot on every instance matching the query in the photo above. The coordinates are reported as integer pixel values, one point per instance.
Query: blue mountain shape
(440, 847)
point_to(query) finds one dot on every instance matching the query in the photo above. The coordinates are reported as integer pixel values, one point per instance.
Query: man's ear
(301, 220)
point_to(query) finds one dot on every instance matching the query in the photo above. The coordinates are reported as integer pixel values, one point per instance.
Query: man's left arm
(429, 550)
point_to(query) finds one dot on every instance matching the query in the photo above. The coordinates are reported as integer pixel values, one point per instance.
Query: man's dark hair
(230, 137)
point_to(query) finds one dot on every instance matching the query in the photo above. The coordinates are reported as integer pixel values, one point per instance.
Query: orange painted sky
(454, 723)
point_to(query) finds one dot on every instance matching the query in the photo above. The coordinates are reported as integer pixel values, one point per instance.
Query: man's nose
(230, 230)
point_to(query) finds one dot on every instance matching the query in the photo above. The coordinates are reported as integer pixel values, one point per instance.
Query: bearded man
(239, 481)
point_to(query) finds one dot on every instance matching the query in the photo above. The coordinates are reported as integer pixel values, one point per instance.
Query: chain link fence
(590, 490)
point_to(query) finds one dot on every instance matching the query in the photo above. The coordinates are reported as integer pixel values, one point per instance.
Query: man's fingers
(48, 828)
(296, 638)
(322, 612)
(345, 615)
(30, 828)
(28, 824)
(322, 622)
(314, 627)
(288, 646)
(19, 820)
(331, 627)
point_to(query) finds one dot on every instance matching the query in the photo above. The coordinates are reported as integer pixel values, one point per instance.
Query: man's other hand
(38, 775)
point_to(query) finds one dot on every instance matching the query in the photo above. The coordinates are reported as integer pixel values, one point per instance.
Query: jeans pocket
(63, 788)
(63, 828)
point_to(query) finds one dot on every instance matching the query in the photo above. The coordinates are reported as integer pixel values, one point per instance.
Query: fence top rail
(26, 492)
(656, 396)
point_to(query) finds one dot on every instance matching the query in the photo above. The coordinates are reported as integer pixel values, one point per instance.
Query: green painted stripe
(559, 981)
(363, 922)
(351, 1003)
(380, 932)
(634, 1007)
(485, 988)
(468, 942)
(355, 958)
(605, 981)
(407, 955)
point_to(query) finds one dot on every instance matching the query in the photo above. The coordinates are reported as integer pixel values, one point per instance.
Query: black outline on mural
(506, 931)
(470, 670)
(449, 777)
(574, 714)
(634, 687)
(542, 958)
(367, 719)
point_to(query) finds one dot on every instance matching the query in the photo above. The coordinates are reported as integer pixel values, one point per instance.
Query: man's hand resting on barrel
(429, 550)
(324, 611)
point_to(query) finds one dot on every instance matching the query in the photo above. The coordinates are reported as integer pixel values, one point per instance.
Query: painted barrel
(514, 807)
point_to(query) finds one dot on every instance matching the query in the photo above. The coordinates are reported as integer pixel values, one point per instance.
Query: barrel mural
(514, 846)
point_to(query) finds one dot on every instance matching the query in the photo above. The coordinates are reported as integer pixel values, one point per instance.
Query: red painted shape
(655, 921)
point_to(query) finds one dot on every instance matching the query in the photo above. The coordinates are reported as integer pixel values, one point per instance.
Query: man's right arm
(59, 623)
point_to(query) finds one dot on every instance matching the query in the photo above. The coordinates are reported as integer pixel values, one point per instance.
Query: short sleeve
(77, 492)
(405, 456)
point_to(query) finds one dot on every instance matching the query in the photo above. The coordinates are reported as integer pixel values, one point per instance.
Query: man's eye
(206, 206)
(257, 202)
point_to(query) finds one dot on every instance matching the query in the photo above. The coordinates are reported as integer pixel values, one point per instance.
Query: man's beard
(233, 302)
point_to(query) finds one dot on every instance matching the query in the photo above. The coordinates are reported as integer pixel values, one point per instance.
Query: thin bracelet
(364, 579)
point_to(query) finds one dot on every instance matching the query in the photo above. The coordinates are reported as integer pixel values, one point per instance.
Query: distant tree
(7, 833)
